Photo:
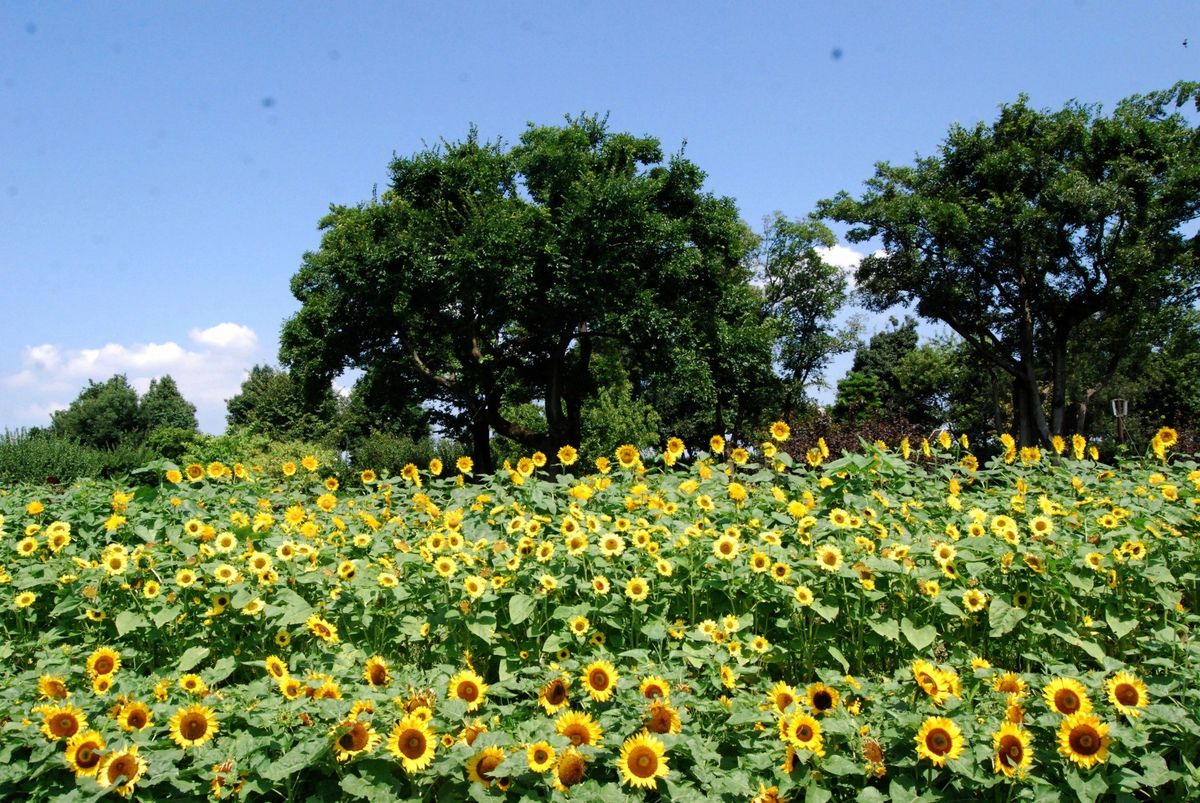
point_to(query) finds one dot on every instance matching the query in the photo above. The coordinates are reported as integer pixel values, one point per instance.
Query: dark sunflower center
(660, 722)
(570, 771)
(136, 719)
(598, 678)
(540, 756)
(804, 733)
(644, 762)
(468, 691)
(1084, 740)
(556, 693)
(938, 742)
(822, 700)
(1011, 751)
(1127, 694)
(104, 665)
(1067, 701)
(378, 676)
(125, 767)
(486, 765)
(577, 734)
(193, 726)
(413, 744)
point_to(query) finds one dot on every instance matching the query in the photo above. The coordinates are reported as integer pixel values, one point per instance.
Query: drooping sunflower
(481, 765)
(553, 696)
(654, 687)
(413, 743)
(357, 736)
(1083, 738)
(932, 681)
(134, 716)
(84, 753)
(1012, 754)
(103, 661)
(662, 717)
(121, 769)
(580, 728)
(642, 761)
(569, 771)
(377, 672)
(322, 629)
(1127, 693)
(781, 696)
(62, 722)
(600, 679)
(1067, 696)
(939, 740)
(468, 687)
(821, 698)
(193, 726)
(1009, 683)
(540, 756)
(52, 687)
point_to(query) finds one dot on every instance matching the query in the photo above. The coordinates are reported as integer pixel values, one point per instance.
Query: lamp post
(1120, 408)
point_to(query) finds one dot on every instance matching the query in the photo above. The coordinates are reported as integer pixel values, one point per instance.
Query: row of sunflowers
(715, 623)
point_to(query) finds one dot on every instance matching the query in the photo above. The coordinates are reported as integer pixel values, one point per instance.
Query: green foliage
(103, 415)
(1018, 232)
(40, 457)
(172, 442)
(387, 453)
(859, 397)
(272, 404)
(164, 406)
(485, 277)
(613, 417)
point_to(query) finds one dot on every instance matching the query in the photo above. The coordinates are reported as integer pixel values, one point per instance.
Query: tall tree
(1018, 232)
(803, 294)
(103, 415)
(164, 406)
(484, 277)
(272, 403)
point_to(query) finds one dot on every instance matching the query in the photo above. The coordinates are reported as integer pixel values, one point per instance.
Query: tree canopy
(1018, 233)
(164, 406)
(103, 414)
(486, 276)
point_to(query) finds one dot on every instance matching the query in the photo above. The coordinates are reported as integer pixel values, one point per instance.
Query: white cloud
(842, 256)
(206, 376)
(227, 335)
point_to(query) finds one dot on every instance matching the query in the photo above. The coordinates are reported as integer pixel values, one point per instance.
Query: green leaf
(163, 616)
(298, 758)
(520, 607)
(1088, 787)
(826, 612)
(919, 637)
(902, 791)
(1002, 617)
(127, 621)
(222, 669)
(191, 659)
(293, 609)
(838, 764)
(1120, 627)
(374, 781)
(888, 628)
(870, 794)
(837, 656)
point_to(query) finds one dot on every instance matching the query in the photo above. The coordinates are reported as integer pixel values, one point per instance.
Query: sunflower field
(904, 623)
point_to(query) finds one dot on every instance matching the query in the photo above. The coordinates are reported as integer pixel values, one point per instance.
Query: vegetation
(906, 623)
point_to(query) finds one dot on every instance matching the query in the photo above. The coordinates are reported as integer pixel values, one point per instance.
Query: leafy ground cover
(901, 624)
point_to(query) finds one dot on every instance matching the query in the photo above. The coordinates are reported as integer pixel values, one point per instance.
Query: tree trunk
(481, 442)
(1058, 395)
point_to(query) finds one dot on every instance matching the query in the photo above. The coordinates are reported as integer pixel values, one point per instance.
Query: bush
(44, 457)
(387, 453)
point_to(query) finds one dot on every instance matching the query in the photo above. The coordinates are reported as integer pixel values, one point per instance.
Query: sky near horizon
(163, 166)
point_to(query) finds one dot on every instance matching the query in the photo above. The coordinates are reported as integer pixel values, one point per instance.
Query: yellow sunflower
(541, 755)
(1067, 696)
(654, 687)
(52, 687)
(1083, 738)
(103, 661)
(134, 716)
(781, 696)
(357, 737)
(413, 743)
(802, 732)
(663, 718)
(939, 740)
(821, 698)
(481, 766)
(322, 629)
(829, 558)
(377, 672)
(1009, 683)
(62, 722)
(123, 766)
(553, 696)
(84, 752)
(642, 761)
(193, 726)
(579, 728)
(1127, 693)
(569, 771)
(600, 679)
(1013, 756)
(468, 687)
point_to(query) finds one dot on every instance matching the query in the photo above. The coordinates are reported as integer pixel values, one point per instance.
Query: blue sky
(163, 166)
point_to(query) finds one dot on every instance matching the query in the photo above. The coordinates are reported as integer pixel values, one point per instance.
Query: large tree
(164, 406)
(272, 403)
(1019, 232)
(484, 277)
(103, 414)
